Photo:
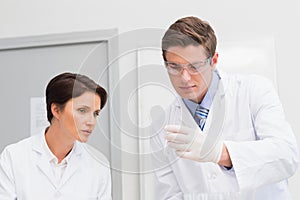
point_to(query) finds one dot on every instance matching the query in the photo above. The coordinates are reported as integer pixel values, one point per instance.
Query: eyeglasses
(195, 68)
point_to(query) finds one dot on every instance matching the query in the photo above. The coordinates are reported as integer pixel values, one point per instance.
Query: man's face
(188, 85)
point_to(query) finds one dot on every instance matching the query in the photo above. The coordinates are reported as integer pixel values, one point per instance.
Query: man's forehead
(190, 53)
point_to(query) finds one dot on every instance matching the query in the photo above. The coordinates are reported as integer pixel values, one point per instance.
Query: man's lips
(187, 87)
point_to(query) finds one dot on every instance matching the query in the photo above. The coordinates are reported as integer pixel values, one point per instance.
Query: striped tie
(200, 116)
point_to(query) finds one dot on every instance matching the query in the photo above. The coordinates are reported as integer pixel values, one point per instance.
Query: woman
(57, 164)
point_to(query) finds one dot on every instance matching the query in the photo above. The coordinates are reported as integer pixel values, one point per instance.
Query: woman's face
(78, 119)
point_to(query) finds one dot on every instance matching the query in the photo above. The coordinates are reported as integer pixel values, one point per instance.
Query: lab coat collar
(224, 81)
(41, 159)
(37, 145)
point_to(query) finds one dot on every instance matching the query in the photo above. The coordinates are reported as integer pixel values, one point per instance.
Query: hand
(189, 144)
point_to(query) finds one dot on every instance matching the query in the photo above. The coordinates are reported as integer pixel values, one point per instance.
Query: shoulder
(93, 156)
(17, 150)
(257, 85)
(20, 146)
(93, 163)
(255, 90)
(247, 82)
(247, 78)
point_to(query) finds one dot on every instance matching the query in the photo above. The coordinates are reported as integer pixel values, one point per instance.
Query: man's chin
(189, 97)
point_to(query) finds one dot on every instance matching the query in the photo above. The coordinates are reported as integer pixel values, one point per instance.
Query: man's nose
(185, 74)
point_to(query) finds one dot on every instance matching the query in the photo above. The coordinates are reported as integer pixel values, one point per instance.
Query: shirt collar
(209, 96)
(51, 157)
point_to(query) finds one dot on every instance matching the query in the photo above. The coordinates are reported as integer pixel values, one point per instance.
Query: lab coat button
(57, 195)
(213, 176)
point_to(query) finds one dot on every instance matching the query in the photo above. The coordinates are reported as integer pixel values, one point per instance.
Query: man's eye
(197, 66)
(194, 67)
(174, 66)
(170, 64)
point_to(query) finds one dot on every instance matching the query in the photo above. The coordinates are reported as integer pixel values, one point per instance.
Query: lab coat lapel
(217, 110)
(40, 159)
(73, 163)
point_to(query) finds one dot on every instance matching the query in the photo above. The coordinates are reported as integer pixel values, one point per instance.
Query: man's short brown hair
(190, 31)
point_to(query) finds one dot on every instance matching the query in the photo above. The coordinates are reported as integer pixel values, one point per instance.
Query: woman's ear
(55, 110)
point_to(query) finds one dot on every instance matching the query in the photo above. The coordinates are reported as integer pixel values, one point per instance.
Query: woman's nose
(91, 121)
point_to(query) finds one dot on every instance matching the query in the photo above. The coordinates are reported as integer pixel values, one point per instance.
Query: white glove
(189, 143)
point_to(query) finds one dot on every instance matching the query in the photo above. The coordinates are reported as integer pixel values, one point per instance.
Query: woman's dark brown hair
(66, 86)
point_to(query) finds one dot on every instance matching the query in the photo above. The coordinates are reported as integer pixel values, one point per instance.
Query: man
(225, 137)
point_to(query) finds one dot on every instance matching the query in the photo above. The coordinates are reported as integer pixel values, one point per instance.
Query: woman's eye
(82, 110)
(96, 114)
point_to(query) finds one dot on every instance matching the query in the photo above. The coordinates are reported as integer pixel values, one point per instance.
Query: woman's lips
(87, 132)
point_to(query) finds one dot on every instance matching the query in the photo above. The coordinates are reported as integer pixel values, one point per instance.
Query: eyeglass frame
(187, 66)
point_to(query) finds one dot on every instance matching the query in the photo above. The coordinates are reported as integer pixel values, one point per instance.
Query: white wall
(231, 19)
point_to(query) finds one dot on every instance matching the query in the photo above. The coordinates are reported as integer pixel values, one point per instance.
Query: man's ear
(214, 60)
(55, 111)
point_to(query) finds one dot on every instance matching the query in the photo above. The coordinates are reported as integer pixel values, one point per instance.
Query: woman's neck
(59, 144)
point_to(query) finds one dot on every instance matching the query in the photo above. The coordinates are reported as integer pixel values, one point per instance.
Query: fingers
(172, 128)
(180, 134)
(179, 147)
(177, 138)
(184, 154)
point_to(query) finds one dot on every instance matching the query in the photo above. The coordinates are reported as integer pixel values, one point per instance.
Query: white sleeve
(105, 192)
(273, 156)
(166, 185)
(7, 186)
(105, 187)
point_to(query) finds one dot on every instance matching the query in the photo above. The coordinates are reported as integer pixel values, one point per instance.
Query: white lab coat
(25, 174)
(260, 142)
